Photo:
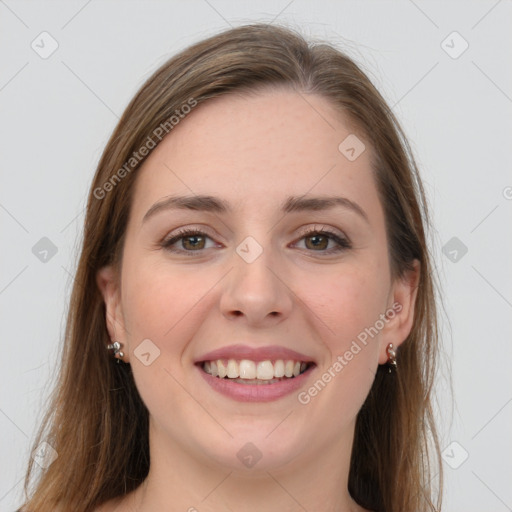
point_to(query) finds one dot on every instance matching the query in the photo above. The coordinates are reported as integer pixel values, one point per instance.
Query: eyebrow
(212, 204)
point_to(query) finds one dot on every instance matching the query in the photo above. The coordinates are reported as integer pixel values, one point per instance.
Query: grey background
(57, 114)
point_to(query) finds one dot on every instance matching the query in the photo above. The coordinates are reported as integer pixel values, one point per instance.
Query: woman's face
(287, 260)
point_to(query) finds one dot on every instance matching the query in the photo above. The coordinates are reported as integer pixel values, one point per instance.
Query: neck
(179, 480)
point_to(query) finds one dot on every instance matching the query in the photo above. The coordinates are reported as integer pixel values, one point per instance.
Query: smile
(250, 381)
(246, 371)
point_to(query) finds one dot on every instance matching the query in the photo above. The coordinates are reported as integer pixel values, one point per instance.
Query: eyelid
(303, 230)
(341, 240)
(322, 227)
(183, 231)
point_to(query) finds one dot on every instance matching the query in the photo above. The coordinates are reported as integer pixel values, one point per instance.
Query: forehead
(252, 149)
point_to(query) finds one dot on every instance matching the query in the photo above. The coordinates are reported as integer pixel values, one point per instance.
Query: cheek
(166, 307)
(346, 301)
(163, 304)
(348, 304)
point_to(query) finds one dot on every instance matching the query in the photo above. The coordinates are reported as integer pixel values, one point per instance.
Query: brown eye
(324, 242)
(193, 242)
(188, 241)
(317, 242)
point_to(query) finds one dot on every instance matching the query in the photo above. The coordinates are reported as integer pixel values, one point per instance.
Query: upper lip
(271, 352)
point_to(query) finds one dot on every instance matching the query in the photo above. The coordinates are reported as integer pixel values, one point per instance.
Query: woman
(253, 323)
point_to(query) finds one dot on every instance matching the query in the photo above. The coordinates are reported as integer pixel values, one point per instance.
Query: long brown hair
(97, 422)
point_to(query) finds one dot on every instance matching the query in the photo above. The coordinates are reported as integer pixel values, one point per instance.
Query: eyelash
(343, 243)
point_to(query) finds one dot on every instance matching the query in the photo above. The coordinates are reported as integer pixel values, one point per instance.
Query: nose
(256, 292)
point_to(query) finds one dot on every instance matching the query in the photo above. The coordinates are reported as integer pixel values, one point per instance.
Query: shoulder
(113, 505)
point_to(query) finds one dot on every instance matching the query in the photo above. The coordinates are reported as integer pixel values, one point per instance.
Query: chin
(256, 453)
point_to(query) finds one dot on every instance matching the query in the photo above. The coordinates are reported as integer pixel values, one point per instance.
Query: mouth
(255, 381)
(246, 371)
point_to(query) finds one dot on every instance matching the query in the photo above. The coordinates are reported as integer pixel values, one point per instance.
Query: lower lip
(256, 392)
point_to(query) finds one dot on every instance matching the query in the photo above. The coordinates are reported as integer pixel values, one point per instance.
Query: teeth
(232, 369)
(251, 370)
(279, 368)
(265, 370)
(247, 369)
(221, 369)
(288, 369)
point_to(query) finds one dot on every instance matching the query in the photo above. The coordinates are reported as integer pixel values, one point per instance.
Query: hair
(97, 422)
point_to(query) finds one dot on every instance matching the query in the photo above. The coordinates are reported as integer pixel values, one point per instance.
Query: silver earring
(391, 358)
(116, 347)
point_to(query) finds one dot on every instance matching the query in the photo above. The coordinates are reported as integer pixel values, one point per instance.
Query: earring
(116, 347)
(391, 358)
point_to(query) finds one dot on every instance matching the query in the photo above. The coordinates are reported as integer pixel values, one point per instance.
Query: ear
(108, 282)
(400, 310)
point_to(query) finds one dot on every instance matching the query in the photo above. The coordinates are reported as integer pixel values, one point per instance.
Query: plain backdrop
(67, 71)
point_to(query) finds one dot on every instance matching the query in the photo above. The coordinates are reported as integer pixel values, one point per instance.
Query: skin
(254, 152)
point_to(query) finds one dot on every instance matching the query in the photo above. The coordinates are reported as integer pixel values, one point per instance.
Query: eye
(325, 241)
(318, 240)
(192, 240)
